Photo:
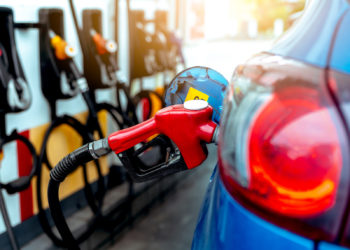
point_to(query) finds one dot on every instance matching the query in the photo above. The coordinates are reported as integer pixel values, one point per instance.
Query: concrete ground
(171, 224)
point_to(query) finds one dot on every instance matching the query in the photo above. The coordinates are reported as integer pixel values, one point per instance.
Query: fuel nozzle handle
(105, 49)
(64, 54)
(103, 46)
(187, 125)
(62, 49)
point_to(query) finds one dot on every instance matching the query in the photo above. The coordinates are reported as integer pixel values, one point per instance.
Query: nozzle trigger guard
(139, 172)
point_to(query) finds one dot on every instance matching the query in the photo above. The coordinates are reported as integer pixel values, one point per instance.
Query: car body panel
(328, 246)
(309, 39)
(340, 58)
(224, 224)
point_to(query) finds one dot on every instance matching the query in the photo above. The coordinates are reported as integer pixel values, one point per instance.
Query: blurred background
(220, 34)
(225, 33)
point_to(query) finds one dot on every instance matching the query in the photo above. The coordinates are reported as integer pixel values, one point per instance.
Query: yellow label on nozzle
(194, 94)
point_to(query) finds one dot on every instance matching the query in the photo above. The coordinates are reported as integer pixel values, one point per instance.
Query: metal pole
(7, 222)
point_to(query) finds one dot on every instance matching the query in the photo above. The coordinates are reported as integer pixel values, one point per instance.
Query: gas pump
(57, 63)
(15, 97)
(173, 43)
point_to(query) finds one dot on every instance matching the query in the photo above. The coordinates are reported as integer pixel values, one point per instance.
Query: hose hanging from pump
(63, 54)
(68, 240)
(94, 205)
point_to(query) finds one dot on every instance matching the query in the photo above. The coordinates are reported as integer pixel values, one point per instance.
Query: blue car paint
(309, 39)
(340, 58)
(203, 79)
(328, 246)
(224, 224)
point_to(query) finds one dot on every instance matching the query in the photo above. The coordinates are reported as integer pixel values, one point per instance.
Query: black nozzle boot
(15, 95)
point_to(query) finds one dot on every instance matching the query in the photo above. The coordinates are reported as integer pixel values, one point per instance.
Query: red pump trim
(186, 128)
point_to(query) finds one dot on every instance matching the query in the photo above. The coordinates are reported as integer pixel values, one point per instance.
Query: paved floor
(171, 224)
(168, 225)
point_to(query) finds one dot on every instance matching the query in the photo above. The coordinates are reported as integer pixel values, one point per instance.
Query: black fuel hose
(92, 113)
(115, 112)
(88, 152)
(44, 221)
(67, 165)
(6, 218)
(23, 182)
(117, 174)
(94, 204)
(130, 110)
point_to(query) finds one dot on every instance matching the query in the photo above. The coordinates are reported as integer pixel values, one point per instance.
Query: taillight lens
(294, 156)
(283, 152)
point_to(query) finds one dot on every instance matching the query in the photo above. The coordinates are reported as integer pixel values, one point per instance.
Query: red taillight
(281, 150)
(294, 154)
(284, 147)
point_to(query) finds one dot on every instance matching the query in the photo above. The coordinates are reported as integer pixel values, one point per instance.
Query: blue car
(283, 175)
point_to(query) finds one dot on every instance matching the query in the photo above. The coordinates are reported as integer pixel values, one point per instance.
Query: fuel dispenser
(153, 50)
(142, 63)
(173, 44)
(57, 63)
(57, 59)
(101, 69)
(15, 97)
(100, 66)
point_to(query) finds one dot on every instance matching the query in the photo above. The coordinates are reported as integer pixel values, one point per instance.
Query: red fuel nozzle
(187, 126)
